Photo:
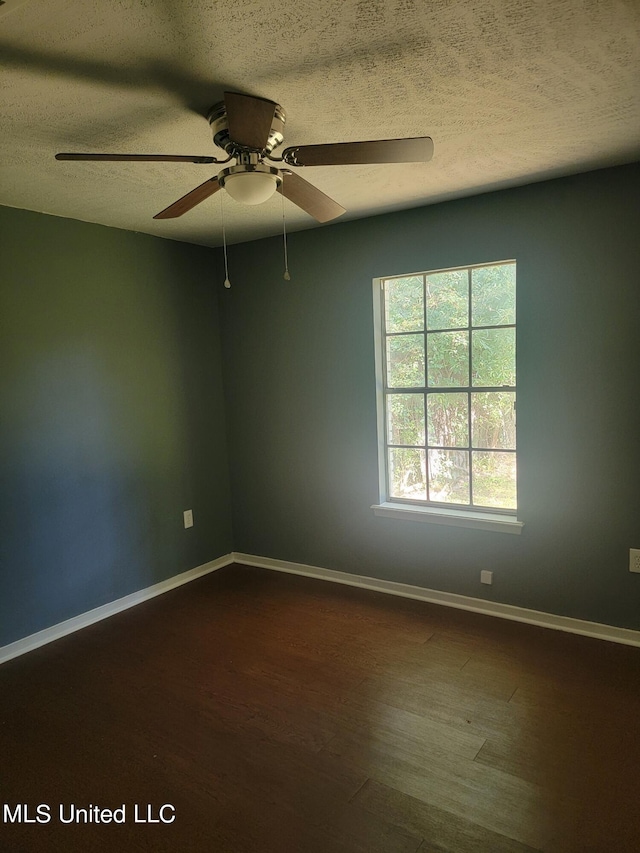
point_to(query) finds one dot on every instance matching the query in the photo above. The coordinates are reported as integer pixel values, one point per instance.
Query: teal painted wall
(300, 391)
(111, 417)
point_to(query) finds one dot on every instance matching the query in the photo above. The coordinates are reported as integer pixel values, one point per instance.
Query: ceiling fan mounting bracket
(217, 118)
(247, 158)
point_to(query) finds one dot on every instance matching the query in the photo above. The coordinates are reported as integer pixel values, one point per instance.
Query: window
(446, 364)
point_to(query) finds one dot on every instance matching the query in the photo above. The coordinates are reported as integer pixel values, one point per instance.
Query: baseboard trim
(626, 636)
(55, 632)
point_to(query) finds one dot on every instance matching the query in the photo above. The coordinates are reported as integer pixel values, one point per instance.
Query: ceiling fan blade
(309, 198)
(153, 158)
(190, 200)
(417, 150)
(249, 119)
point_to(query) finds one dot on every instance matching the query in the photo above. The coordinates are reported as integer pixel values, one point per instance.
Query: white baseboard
(48, 635)
(433, 596)
(611, 633)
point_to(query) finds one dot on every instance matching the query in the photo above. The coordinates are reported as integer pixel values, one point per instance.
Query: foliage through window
(447, 358)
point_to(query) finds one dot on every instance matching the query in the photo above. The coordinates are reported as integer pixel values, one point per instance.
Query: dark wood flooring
(279, 713)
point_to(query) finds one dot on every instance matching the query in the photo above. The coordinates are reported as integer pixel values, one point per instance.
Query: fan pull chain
(227, 283)
(286, 275)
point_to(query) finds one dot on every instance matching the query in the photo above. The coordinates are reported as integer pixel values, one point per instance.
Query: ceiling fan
(249, 129)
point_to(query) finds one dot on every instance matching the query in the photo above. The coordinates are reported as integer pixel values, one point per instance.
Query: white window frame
(499, 521)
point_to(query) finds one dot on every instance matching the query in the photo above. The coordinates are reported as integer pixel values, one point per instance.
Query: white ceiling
(511, 91)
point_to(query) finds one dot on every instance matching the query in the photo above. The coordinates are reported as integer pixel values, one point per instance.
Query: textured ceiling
(511, 91)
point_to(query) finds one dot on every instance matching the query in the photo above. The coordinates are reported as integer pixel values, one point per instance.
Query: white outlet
(188, 518)
(486, 577)
(634, 560)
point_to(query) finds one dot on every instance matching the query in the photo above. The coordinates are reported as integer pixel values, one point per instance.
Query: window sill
(495, 522)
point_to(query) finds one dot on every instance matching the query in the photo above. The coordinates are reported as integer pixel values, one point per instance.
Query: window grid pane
(447, 300)
(405, 358)
(450, 388)
(448, 359)
(404, 304)
(493, 357)
(407, 473)
(405, 420)
(448, 420)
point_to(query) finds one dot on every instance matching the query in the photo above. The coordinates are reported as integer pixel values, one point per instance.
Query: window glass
(405, 361)
(448, 393)
(493, 358)
(447, 299)
(447, 359)
(404, 304)
(407, 473)
(494, 295)
(448, 419)
(405, 419)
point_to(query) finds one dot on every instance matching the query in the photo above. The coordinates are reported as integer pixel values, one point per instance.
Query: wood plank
(491, 798)
(446, 832)
(366, 726)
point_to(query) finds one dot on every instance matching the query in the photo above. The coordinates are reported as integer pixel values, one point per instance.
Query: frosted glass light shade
(251, 187)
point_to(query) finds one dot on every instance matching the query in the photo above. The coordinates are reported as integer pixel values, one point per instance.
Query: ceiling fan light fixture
(250, 184)
(251, 188)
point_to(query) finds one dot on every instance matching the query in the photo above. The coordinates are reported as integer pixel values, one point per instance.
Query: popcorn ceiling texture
(511, 91)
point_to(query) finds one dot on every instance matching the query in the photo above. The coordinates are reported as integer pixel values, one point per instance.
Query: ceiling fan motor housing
(217, 118)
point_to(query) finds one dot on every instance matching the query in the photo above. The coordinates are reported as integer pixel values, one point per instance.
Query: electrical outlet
(634, 560)
(188, 518)
(486, 577)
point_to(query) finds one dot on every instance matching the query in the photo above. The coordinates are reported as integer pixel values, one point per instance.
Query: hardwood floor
(280, 713)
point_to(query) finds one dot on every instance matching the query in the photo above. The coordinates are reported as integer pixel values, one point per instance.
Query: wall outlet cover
(634, 560)
(486, 577)
(188, 518)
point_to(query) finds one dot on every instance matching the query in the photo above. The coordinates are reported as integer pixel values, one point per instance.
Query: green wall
(111, 417)
(300, 391)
